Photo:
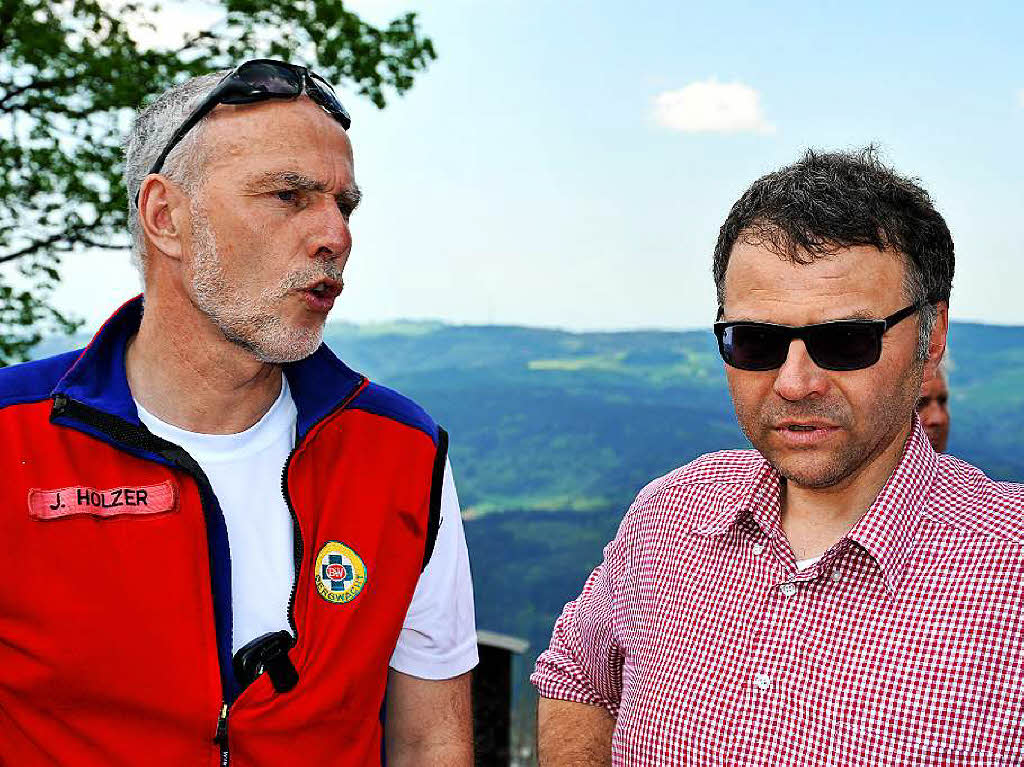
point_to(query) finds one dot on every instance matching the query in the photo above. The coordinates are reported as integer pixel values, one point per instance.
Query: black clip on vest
(267, 653)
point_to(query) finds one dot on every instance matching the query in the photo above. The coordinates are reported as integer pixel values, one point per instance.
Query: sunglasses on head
(837, 345)
(260, 80)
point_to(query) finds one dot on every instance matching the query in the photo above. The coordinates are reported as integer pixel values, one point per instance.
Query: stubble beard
(817, 468)
(246, 320)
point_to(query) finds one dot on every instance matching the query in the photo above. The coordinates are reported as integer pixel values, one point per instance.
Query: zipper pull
(221, 737)
(60, 403)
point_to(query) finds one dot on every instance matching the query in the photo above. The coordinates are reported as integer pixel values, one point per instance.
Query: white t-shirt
(438, 637)
(807, 564)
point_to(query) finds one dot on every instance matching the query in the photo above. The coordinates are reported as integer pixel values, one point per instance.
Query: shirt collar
(757, 497)
(889, 526)
(886, 529)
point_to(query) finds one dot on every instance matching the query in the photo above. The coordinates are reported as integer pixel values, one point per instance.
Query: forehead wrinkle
(760, 303)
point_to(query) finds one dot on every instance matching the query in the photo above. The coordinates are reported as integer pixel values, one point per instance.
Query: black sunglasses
(260, 80)
(838, 345)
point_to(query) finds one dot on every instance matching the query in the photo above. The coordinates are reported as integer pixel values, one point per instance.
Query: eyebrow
(860, 314)
(351, 195)
(292, 180)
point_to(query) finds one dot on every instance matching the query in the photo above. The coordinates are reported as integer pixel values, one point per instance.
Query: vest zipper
(140, 438)
(297, 545)
(297, 541)
(221, 737)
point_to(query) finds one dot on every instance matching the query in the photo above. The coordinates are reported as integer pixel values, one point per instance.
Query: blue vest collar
(319, 383)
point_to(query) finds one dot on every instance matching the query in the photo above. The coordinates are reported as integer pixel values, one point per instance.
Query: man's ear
(937, 341)
(163, 213)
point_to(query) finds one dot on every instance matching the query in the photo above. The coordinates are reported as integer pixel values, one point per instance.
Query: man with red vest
(222, 545)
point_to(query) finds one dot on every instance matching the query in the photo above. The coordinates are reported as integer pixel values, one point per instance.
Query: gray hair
(150, 133)
(916, 291)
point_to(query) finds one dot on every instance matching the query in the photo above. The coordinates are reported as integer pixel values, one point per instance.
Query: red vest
(115, 608)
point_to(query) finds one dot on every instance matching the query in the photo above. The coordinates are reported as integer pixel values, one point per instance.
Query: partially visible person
(933, 408)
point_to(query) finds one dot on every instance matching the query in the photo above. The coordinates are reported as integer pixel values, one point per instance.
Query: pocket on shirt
(881, 746)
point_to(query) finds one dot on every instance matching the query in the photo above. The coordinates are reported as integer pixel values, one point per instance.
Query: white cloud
(709, 106)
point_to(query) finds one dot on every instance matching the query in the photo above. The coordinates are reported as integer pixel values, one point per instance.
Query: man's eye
(287, 195)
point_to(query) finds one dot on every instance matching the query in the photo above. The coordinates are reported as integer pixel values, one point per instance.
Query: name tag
(117, 501)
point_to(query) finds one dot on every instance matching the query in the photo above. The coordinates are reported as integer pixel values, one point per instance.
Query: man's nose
(799, 377)
(329, 236)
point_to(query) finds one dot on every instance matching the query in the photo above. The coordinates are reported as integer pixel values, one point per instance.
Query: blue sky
(528, 177)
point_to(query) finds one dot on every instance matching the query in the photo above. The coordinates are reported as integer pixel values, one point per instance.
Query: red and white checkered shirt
(903, 645)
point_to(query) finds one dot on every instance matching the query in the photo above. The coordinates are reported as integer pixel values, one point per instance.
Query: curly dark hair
(828, 201)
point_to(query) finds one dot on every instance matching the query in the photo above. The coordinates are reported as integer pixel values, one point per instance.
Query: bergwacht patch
(117, 501)
(339, 573)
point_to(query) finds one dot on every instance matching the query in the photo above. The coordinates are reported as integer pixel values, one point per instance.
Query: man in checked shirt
(842, 595)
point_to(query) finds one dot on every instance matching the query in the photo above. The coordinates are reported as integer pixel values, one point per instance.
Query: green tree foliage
(71, 75)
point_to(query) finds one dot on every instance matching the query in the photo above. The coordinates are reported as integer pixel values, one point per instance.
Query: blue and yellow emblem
(339, 573)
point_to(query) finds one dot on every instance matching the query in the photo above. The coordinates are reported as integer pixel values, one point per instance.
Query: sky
(568, 164)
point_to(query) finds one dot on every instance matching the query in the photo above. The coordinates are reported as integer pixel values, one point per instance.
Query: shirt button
(837, 576)
(758, 549)
(788, 589)
(763, 681)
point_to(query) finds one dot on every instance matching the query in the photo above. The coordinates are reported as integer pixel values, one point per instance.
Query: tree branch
(28, 250)
(101, 245)
(32, 85)
(72, 235)
(188, 42)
